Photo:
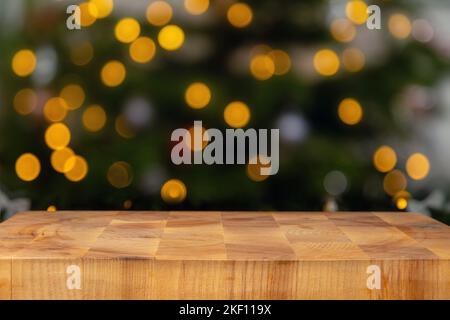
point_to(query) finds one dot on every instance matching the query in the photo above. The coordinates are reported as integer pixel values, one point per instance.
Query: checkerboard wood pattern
(223, 255)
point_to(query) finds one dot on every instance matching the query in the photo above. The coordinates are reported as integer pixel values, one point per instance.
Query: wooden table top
(250, 236)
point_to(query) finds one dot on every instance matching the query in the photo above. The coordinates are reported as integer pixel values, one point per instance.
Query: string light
(240, 15)
(326, 62)
(173, 191)
(123, 128)
(127, 30)
(88, 14)
(384, 159)
(356, 11)
(113, 73)
(281, 61)
(55, 109)
(73, 96)
(25, 101)
(350, 111)
(418, 166)
(120, 175)
(171, 37)
(400, 26)
(104, 7)
(82, 53)
(197, 95)
(94, 118)
(343, 30)
(28, 167)
(60, 160)
(353, 59)
(24, 63)
(142, 50)
(79, 169)
(57, 136)
(237, 114)
(262, 67)
(196, 7)
(159, 13)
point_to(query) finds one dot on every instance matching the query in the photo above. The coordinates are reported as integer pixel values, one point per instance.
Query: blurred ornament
(138, 112)
(173, 191)
(293, 127)
(422, 30)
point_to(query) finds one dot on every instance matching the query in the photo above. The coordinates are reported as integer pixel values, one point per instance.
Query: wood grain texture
(223, 255)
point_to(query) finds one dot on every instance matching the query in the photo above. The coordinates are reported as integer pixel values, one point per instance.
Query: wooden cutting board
(223, 255)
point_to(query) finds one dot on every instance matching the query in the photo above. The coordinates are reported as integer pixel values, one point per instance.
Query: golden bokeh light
(123, 128)
(356, 11)
(262, 67)
(94, 118)
(57, 136)
(254, 169)
(326, 62)
(81, 53)
(159, 13)
(197, 95)
(343, 30)
(394, 182)
(55, 109)
(113, 73)
(418, 166)
(25, 101)
(104, 7)
(79, 169)
(24, 63)
(350, 111)
(28, 167)
(173, 191)
(353, 59)
(88, 14)
(142, 50)
(51, 209)
(240, 15)
(60, 160)
(171, 37)
(196, 7)
(73, 95)
(127, 204)
(281, 61)
(237, 114)
(401, 199)
(127, 30)
(385, 159)
(120, 175)
(400, 26)
(401, 203)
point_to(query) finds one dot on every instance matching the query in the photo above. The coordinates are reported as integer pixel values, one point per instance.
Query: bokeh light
(356, 11)
(79, 169)
(159, 13)
(104, 7)
(196, 7)
(240, 15)
(94, 118)
(343, 30)
(24, 63)
(120, 175)
(88, 14)
(262, 67)
(353, 59)
(73, 95)
(394, 182)
(55, 109)
(57, 136)
(326, 62)
(127, 30)
(400, 26)
(418, 166)
(142, 50)
(28, 167)
(51, 209)
(81, 53)
(60, 160)
(237, 114)
(171, 37)
(350, 111)
(281, 60)
(25, 101)
(254, 169)
(123, 128)
(384, 159)
(173, 191)
(113, 73)
(197, 95)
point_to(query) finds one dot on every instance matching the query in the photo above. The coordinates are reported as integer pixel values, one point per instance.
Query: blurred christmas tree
(86, 115)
